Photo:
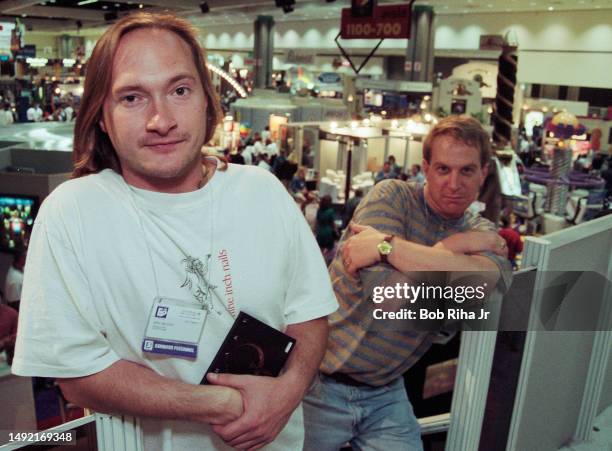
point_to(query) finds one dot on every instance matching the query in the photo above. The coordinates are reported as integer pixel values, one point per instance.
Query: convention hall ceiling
(68, 15)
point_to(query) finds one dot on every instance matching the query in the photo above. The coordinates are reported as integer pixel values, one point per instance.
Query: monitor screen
(18, 213)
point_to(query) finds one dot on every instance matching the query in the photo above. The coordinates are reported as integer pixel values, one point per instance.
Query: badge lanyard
(165, 311)
(195, 265)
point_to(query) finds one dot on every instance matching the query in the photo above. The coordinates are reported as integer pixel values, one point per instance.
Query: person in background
(416, 175)
(14, 279)
(249, 152)
(265, 134)
(385, 173)
(31, 113)
(68, 112)
(6, 116)
(350, 207)
(299, 191)
(271, 148)
(237, 157)
(278, 163)
(325, 227)
(513, 240)
(264, 162)
(59, 114)
(258, 147)
(401, 233)
(394, 166)
(38, 116)
(307, 156)
(8, 331)
(606, 174)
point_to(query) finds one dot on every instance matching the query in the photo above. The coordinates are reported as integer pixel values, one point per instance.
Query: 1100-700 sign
(375, 30)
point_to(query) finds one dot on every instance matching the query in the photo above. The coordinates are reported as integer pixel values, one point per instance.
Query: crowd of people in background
(60, 109)
(260, 150)
(329, 220)
(391, 170)
(10, 299)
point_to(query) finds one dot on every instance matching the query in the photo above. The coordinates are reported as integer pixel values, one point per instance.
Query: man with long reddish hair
(139, 266)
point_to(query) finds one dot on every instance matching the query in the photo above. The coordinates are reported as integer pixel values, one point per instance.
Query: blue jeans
(369, 418)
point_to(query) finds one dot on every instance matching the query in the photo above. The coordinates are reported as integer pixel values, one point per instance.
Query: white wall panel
(572, 69)
(587, 31)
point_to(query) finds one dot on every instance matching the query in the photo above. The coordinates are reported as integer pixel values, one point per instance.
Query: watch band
(384, 257)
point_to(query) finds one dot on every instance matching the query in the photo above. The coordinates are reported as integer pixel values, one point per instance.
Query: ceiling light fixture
(86, 2)
(551, 8)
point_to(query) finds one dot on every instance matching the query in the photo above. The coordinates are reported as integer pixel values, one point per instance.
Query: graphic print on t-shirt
(196, 280)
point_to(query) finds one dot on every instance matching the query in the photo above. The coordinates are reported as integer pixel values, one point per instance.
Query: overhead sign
(386, 22)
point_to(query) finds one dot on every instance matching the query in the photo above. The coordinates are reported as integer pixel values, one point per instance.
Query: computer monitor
(17, 213)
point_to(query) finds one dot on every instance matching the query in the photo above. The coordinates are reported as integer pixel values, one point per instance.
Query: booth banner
(385, 22)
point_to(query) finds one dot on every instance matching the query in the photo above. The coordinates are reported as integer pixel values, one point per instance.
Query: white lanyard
(204, 290)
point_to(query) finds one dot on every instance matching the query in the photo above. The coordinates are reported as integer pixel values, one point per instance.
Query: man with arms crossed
(151, 229)
(399, 229)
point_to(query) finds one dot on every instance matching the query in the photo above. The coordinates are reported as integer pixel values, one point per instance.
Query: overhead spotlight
(204, 7)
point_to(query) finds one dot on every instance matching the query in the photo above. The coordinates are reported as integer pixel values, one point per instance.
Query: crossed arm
(455, 253)
(238, 407)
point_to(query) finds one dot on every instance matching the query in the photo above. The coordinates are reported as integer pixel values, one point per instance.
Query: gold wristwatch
(385, 248)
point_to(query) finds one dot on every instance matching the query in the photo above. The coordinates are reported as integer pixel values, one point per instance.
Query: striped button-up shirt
(357, 347)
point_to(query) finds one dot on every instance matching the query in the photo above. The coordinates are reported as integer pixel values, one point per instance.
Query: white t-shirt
(271, 149)
(99, 249)
(12, 284)
(264, 165)
(6, 117)
(69, 112)
(248, 154)
(258, 147)
(31, 114)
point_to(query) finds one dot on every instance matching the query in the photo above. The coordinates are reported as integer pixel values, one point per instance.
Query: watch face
(385, 248)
